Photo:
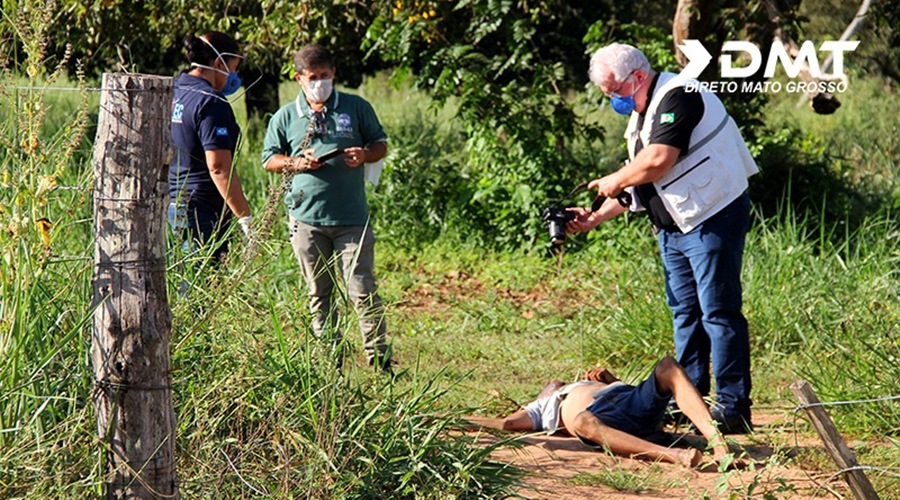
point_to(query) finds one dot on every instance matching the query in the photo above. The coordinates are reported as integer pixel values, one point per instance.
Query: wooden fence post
(132, 322)
(834, 443)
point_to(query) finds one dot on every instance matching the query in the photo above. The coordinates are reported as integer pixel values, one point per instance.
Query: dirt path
(561, 468)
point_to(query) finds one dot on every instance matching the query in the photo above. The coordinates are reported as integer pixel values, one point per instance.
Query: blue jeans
(703, 289)
(197, 226)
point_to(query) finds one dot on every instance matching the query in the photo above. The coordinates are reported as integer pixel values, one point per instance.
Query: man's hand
(600, 374)
(354, 157)
(608, 186)
(309, 160)
(584, 220)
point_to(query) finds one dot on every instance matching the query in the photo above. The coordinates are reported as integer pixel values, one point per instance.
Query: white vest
(712, 173)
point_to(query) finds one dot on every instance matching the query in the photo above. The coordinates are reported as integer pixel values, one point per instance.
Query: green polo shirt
(334, 195)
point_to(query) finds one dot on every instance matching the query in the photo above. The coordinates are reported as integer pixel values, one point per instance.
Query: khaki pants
(352, 248)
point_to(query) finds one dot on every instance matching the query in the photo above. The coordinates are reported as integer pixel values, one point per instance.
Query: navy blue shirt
(202, 120)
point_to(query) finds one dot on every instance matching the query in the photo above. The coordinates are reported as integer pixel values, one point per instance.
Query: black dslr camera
(557, 218)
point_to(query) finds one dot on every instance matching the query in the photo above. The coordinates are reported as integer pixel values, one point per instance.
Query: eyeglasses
(617, 92)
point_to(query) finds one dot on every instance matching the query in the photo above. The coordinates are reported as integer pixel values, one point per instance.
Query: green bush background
(481, 314)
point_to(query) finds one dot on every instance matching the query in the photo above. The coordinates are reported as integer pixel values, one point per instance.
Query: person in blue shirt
(205, 189)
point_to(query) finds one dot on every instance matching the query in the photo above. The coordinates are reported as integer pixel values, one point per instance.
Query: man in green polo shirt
(329, 214)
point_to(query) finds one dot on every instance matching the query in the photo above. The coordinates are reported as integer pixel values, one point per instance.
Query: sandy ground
(559, 468)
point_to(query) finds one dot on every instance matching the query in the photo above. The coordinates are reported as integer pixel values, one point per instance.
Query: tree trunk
(130, 339)
(697, 20)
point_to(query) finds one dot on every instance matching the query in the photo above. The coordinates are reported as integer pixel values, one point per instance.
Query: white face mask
(319, 90)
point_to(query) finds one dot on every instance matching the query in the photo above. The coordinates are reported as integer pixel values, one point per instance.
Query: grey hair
(618, 58)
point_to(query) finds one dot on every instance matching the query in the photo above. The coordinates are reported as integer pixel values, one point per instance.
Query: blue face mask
(624, 105)
(232, 80)
(232, 83)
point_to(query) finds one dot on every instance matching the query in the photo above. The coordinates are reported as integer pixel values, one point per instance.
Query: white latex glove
(244, 222)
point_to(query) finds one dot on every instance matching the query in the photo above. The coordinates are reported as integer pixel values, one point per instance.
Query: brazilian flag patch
(667, 118)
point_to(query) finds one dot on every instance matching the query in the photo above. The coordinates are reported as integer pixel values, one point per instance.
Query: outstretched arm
(517, 421)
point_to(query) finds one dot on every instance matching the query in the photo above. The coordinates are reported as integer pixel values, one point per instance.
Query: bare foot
(690, 457)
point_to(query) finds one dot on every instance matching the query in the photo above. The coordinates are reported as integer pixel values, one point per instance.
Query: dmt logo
(699, 58)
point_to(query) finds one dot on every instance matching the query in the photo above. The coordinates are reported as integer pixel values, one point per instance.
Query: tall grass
(40, 271)
(263, 410)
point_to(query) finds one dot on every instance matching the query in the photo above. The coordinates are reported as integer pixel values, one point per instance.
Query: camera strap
(624, 197)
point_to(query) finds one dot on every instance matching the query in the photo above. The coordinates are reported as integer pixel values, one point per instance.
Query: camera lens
(557, 232)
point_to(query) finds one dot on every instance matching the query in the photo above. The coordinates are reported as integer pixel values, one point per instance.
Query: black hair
(312, 56)
(200, 52)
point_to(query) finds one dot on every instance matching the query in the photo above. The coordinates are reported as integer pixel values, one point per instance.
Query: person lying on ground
(603, 411)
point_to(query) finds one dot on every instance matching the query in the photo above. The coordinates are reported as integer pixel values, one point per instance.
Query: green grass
(645, 480)
(475, 330)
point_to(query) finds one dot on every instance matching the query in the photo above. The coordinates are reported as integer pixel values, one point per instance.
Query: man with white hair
(688, 170)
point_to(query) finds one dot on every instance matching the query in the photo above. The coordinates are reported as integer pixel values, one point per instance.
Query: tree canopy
(515, 69)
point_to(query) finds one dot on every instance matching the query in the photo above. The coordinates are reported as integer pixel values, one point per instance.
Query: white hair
(619, 59)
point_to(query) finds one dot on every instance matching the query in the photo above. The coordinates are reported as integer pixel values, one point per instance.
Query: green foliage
(475, 329)
(423, 192)
(642, 481)
(655, 42)
(272, 404)
(834, 170)
(796, 171)
(766, 482)
(853, 351)
(40, 312)
(846, 340)
(104, 33)
(511, 87)
(275, 401)
(878, 53)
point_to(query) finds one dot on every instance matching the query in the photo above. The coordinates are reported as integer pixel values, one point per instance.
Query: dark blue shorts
(637, 410)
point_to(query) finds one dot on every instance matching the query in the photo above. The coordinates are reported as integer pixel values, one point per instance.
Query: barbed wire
(82, 89)
(231, 464)
(246, 265)
(883, 470)
(857, 467)
(841, 403)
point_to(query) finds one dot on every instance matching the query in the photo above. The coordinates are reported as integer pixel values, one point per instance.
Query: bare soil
(562, 468)
(787, 459)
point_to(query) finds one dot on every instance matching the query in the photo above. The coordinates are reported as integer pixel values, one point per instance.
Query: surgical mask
(624, 105)
(319, 90)
(232, 81)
